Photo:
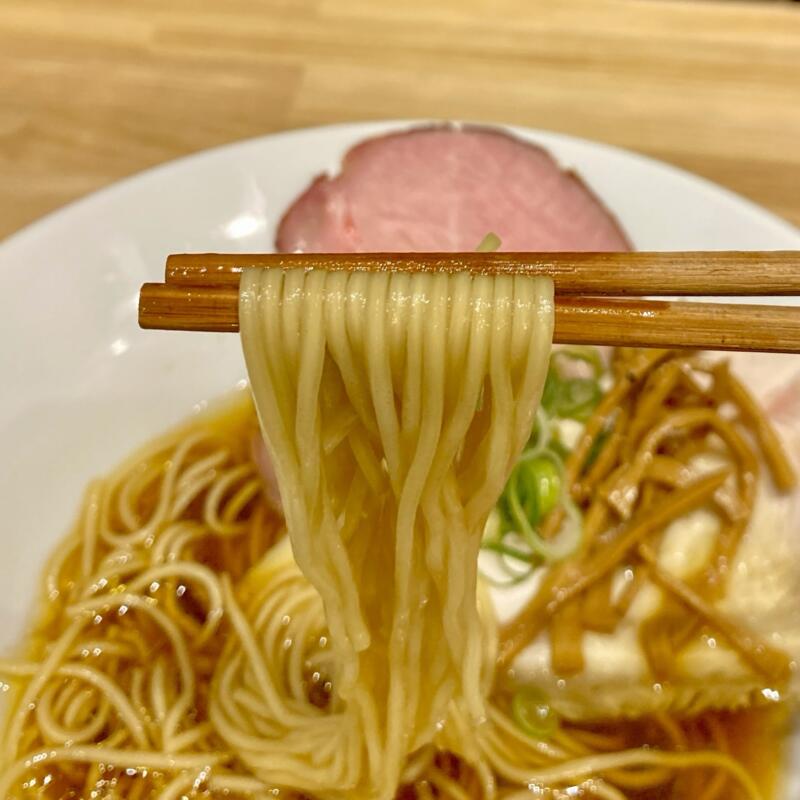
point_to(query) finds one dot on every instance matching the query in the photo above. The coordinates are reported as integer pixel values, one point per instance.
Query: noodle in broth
(393, 425)
(186, 650)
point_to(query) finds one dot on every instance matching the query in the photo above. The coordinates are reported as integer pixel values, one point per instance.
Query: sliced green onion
(586, 353)
(573, 398)
(551, 391)
(533, 490)
(536, 485)
(579, 398)
(547, 479)
(570, 398)
(533, 714)
(513, 559)
(569, 535)
(503, 549)
(560, 449)
(489, 243)
(513, 579)
(542, 433)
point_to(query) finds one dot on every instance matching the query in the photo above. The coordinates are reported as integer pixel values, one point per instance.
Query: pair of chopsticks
(599, 296)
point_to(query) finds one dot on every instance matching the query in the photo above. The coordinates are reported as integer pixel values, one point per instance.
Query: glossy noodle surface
(394, 408)
(179, 555)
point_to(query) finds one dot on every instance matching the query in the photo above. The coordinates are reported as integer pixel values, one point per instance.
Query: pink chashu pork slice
(443, 189)
(440, 189)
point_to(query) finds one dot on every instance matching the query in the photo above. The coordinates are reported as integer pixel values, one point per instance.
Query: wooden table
(93, 90)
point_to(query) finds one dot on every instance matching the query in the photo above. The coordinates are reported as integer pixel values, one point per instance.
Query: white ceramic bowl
(81, 385)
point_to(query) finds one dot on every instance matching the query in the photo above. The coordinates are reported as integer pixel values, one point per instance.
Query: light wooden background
(93, 90)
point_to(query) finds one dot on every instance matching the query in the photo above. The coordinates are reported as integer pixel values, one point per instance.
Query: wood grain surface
(725, 273)
(619, 322)
(93, 90)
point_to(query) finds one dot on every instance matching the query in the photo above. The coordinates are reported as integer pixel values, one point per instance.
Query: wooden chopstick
(578, 320)
(617, 274)
(202, 290)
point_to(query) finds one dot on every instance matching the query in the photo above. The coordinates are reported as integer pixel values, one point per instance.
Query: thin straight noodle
(424, 367)
(170, 629)
(103, 603)
(714, 787)
(90, 525)
(417, 406)
(56, 562)
(177, 787)
(174, 539)
(200, 475)
(186, 510)
(600, 763)
(234, 504)
(123, 758)
(113, 694)
(22, 709)
(74, 714)
(158, 692)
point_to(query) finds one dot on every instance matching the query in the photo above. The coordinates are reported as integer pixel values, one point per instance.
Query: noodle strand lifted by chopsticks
(393, 421)
(440, 375)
